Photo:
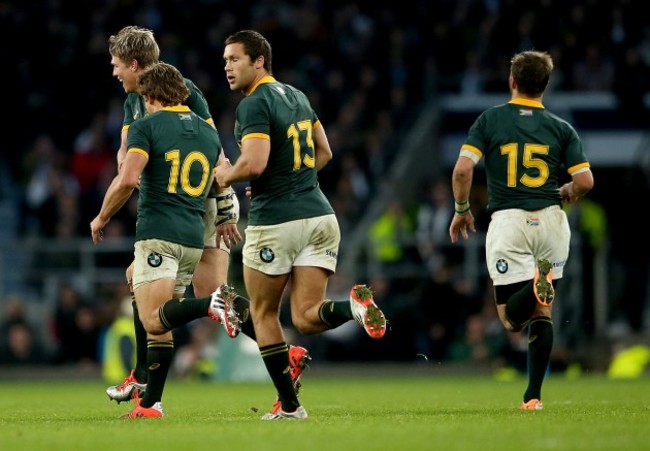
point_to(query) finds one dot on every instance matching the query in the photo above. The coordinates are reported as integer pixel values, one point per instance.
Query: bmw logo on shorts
(267, 255)
(502, 266)
(154, 259)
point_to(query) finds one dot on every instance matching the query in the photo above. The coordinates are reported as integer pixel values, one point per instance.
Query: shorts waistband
(511, 211)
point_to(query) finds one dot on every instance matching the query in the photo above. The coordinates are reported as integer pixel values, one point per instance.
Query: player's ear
(511, 82)
(259, 62)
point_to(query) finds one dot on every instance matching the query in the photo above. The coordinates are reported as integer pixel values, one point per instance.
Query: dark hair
(255, 45)
(164, 83)
(531, 70)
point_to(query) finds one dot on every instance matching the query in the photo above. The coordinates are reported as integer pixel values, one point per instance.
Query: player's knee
(303, 326)
(151, 323)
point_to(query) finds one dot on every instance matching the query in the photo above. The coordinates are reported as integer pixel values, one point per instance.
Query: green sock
(159, 359)
(540, 342)
(276, 359)
(178, 312)
(242, 307)
(521, 305)
(335, 313)
(140, 370)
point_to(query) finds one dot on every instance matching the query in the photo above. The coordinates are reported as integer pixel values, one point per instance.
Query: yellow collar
(527, 102)
(264, 79)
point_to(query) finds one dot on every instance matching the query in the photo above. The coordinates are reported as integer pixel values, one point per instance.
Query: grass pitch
(346, 413)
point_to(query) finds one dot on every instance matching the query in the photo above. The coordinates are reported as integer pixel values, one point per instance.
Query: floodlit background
(396, 88)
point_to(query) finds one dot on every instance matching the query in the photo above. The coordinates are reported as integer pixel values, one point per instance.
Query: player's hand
(219, 172)
(460, 223)
(229, 233)
(567, 195)
(97, 229)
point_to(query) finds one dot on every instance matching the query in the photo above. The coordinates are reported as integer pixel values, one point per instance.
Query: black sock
(159, 359)
(335, 313)
(242, 307)
(140, 370)
(521, 305)
(178, 312)
(276, 359)
(540, 342)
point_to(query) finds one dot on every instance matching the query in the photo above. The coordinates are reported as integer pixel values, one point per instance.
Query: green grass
(378, 413)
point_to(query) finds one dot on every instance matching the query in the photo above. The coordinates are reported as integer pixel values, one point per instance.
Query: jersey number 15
(529, 161)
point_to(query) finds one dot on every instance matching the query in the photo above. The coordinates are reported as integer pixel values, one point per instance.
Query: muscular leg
(519, 310)
(266, 295)
(160, 343)
(140, 370)
(540, 343)
(308, 288)
(211, 272)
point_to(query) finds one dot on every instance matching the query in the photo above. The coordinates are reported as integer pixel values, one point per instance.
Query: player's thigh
(150, 296)
(211, 272)
(508, 254)
(321, 248)
(272, 249)
(264, 290)
(308, 287)
(209, 216)
(554, 239)
(159, 259)
(129, 276)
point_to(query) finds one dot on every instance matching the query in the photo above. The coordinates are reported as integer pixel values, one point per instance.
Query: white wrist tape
(227, 207)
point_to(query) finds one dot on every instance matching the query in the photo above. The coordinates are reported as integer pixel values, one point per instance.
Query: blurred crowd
(366, 68)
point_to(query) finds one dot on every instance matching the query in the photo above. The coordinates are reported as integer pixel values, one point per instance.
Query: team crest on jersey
(267, 255)
(502, 266)
(154, 259)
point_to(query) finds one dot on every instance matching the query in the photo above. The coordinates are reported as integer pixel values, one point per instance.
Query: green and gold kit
(182, 149)
(524, 147)
(288, 188)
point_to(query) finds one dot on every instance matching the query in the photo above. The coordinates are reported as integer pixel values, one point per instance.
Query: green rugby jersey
(134, 109)
(288, 188)
(182, 150)
(525, 146)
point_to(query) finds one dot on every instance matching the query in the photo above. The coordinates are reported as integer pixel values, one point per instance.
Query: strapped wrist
(462, 207)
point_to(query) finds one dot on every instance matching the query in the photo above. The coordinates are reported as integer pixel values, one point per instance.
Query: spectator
(119, 344)
(75, 328)
(49, 185)
(196, 359)
(433, 219)
(444, 303)
(594, 72)
(391, 236)
(19, 344)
